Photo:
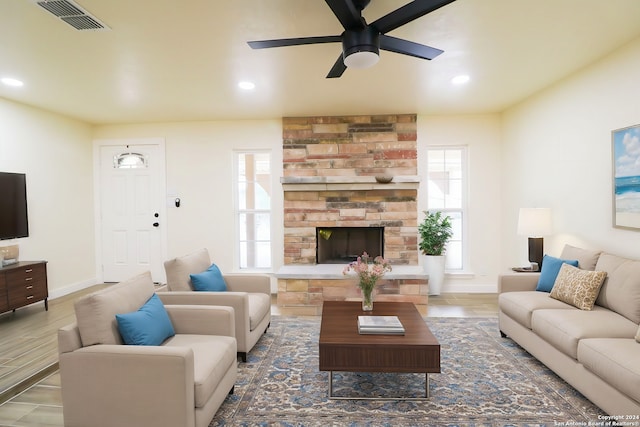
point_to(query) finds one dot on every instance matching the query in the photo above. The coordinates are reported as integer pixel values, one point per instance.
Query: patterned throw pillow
(577, 287)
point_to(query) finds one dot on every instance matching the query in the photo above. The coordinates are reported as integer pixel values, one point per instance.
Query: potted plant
(435, 232)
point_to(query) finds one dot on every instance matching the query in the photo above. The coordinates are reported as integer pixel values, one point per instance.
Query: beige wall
(199, 160)
(481, 134)
(56, 155)
(557, 153)
(199, 171)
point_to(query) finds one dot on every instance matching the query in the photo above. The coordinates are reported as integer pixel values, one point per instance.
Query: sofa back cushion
(620, 291)
(96, 312)
(179, 269)
(587, 259)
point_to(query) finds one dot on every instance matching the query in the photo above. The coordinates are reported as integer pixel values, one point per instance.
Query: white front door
(131, 206)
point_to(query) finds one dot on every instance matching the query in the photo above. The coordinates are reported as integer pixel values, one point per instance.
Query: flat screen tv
(14, 222)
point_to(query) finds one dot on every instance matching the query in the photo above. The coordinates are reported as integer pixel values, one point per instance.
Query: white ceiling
(182, 60)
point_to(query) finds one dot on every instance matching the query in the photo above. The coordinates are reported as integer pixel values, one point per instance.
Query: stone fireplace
(329, 170)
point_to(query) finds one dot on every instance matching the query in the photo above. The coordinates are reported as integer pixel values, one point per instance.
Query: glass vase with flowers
(368, 271)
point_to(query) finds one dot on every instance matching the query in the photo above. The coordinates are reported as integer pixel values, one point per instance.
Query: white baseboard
(475, 288)
(60, 292)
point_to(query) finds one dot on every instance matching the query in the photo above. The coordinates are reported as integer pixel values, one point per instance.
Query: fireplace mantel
(346, 183)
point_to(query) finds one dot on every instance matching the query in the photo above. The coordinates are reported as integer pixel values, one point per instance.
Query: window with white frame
(447, 193)
(253, 209)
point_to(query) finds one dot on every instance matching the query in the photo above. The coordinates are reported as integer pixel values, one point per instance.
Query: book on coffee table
(380, 325)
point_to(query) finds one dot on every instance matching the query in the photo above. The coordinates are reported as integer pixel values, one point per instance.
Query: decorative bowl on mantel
(384, 179)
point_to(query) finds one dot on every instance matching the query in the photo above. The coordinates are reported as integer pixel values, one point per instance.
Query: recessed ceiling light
(460, 80)
(11, 82)
(246, 85)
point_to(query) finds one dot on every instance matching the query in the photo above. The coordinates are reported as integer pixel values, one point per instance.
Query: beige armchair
(181, 382)
(248, 294)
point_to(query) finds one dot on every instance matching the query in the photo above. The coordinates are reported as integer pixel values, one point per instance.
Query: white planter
(434, 267)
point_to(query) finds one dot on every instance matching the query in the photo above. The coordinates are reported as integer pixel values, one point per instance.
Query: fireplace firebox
(337, 245)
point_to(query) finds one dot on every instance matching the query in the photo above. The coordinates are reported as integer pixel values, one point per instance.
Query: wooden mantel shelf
(329, 183)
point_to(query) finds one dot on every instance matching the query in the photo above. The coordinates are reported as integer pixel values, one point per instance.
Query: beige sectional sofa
(180, 382)
(597, 351)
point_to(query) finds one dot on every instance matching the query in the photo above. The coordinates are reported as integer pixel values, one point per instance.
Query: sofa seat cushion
(212, 357)
(259, 307)
(615, 360)
(520, 305)
(565, 328)
(96, 312)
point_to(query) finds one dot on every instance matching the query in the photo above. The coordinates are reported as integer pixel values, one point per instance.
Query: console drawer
(27, 293)
(26, 274)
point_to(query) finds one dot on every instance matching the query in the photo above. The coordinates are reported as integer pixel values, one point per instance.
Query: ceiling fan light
(361, 59)
(361, 48)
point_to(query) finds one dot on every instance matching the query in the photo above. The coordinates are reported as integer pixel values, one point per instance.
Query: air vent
(72, 14)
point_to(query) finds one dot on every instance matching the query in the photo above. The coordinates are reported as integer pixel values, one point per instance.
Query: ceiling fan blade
(406, 47)
(263, 44)
(337, 69)
(407, 13)
(348, 15)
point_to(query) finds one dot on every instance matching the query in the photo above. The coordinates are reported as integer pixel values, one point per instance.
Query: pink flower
(368, 274)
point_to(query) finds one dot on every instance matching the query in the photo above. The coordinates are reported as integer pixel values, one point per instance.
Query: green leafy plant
(435, 231)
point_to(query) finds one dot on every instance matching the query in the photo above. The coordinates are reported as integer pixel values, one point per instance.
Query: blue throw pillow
(550, 269)
(150, 325)
(210, 280)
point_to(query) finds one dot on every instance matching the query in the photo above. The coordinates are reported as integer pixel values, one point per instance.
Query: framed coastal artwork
(626, 177)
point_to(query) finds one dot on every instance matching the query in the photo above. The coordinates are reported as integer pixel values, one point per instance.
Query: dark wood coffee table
(342, 348)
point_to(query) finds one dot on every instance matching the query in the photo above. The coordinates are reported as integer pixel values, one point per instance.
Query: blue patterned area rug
(486, 380)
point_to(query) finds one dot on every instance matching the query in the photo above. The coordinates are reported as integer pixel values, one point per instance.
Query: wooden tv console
(22, 284)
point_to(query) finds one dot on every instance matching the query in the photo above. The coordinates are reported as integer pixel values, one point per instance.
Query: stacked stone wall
(350, 146)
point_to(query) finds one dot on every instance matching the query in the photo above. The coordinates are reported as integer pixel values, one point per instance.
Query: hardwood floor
(30, 383)
(29, 342)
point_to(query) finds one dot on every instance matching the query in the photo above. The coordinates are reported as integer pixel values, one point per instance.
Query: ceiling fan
(361, 42)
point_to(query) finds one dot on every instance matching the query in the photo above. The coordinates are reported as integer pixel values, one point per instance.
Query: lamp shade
(534, 222)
